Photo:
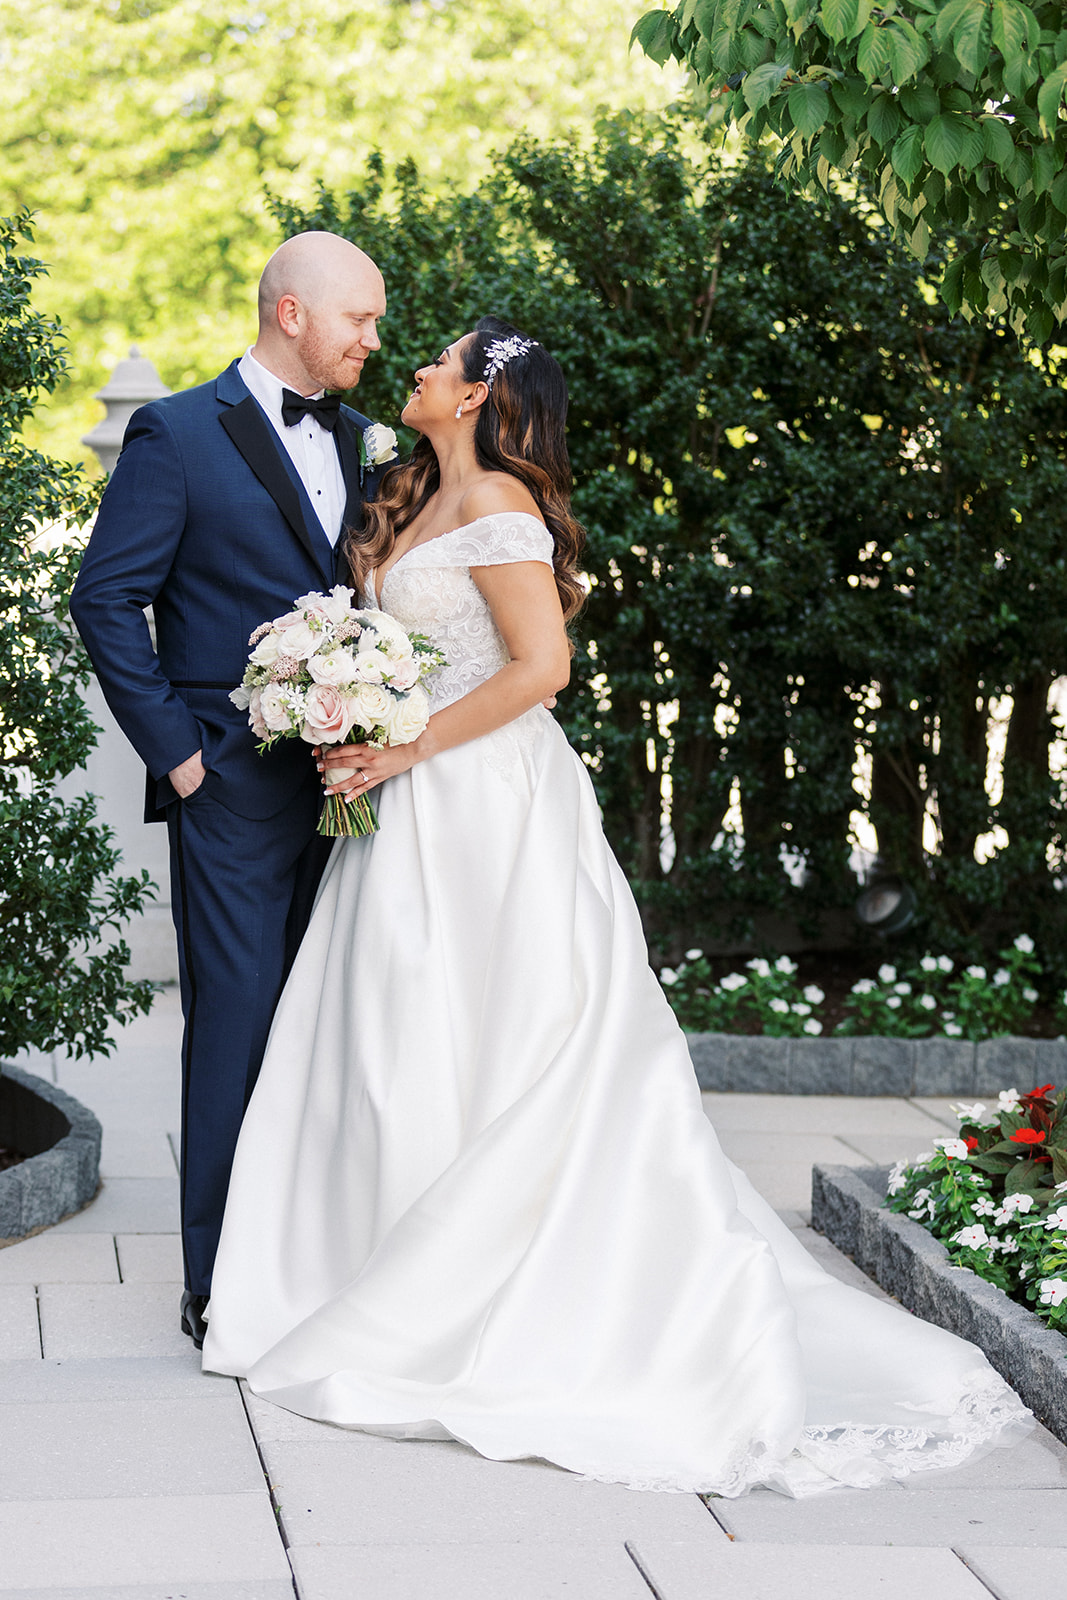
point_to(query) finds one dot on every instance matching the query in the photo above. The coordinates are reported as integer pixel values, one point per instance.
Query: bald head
(320, 298)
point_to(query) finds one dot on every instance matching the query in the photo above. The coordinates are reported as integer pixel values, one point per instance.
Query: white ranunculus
(371, 666)
(275, 701)
(333, 607)
(336, 668)
(409, 716)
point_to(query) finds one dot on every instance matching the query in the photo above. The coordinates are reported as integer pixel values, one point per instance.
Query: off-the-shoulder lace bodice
(430, 590)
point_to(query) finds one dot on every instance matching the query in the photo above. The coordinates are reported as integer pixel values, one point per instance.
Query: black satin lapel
(251, 433)
(348, 450)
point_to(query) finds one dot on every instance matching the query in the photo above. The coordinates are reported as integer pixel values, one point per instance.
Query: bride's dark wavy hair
(520, 430)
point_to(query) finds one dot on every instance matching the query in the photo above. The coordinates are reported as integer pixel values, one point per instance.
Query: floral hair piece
(501, 351)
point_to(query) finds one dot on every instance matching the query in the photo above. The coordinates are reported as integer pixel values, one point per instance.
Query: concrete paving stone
(743, 1146)
(1016, 1572)
(883, 1149)
(681, 1571)
(783, 1184)
(20, 1331)
(103, 1544)
(940, 1107)
(816, 1113)
(792, 1219)
(129, 1205)
(150, 1258)
(542, 1571)
(131, 1153)
(61, 1258)
(120, 1378)
(263, 1589)
(111, 1319)
(79, 1450)
(891, 1516)
(837, 1264)
(273, 1424)
(360, 1487)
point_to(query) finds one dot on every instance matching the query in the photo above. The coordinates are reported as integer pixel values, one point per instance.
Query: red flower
(971, 1143)
(1028, 1136)
(1035, 1094)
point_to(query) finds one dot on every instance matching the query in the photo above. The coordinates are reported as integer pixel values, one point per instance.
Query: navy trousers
(241, 893)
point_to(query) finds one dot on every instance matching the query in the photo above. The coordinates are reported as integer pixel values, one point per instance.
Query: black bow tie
(325, 410)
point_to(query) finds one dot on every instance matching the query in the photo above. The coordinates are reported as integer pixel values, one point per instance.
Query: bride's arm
(524, 601)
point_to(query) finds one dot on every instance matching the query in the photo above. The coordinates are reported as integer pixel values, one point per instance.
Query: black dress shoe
(194, 1323)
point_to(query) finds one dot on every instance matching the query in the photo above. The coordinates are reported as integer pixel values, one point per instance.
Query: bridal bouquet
(329, 674)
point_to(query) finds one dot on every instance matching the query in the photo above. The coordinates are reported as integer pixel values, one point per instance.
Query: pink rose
(255, 715)
(328, 715)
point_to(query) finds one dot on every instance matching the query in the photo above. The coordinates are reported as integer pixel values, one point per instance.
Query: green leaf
(844, 19)
(920, 103)
(809, 106)
(907, 154)
(1058, 192)
(1020, 73)
(1050, 97)
(1010, 28)
(944, 142)
(654, 32)
(919, 240)
(1047, 167)
(998, 142)
(908, 51)
(949, 16)
(883, 119)
(872, 53)
(972, 39)
(762, 83)
(952, 285)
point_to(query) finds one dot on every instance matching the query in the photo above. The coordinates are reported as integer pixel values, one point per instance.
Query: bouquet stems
(347, 819)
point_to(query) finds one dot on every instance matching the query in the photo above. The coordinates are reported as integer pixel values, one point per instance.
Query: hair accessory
(501, 351)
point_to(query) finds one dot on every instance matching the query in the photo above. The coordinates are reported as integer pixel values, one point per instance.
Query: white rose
(371, 706)
(409, 717)
(380, 444)
(333, 607)
(267, 650)
(389, 632)
(404, 674)
(274, 708)
(339, 667)
(299, 639)
(255, 714)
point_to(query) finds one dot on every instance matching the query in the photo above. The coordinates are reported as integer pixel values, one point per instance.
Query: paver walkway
(124, 1472)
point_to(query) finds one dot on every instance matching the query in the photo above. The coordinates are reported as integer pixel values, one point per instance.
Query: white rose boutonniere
(378, 445)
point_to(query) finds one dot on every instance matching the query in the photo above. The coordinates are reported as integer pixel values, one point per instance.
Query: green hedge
(820, 515)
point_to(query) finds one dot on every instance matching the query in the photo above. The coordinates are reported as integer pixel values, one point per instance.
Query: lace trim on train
(856, 1456)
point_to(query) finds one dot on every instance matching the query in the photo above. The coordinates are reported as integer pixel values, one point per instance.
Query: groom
(227, 503)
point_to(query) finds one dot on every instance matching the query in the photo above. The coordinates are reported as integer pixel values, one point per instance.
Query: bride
(476, 1196)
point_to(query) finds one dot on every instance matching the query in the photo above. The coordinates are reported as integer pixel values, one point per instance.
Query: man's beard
(324, 364)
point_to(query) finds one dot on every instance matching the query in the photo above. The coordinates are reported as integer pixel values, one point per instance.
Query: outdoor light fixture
(887, 906)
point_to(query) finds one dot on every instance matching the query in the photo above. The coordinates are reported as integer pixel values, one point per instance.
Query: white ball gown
(476, 1195)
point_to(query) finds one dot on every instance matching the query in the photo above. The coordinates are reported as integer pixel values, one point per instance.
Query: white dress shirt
(310, 446)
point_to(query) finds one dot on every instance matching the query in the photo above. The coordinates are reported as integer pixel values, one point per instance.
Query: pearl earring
(459, 411)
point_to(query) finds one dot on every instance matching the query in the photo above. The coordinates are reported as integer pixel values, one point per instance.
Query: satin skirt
(476, 1195)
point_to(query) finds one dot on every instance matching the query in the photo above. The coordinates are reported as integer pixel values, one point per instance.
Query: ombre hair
(520, 431)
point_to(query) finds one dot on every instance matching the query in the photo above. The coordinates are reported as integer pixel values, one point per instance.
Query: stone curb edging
(62, 1140)
(754, 1064)
(914, 1267)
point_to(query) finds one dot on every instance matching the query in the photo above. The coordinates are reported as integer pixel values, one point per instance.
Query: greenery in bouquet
(330, 674)
(996, 1196)
(932, 996)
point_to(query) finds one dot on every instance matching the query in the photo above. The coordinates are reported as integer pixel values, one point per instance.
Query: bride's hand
(364, 766)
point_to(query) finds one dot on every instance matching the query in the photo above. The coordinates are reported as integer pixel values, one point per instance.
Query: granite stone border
(755, 1064)
(61, 1140)
(914, 1267)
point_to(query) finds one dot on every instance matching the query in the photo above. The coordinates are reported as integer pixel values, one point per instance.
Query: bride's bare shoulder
(494, 493)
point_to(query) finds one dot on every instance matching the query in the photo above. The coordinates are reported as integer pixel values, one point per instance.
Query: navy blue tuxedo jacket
(205, 519)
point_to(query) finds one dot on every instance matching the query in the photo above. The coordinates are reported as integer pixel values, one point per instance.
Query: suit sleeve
(138, 529)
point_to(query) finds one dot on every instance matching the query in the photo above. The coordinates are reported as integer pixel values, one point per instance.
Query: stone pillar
(133, 383)
(113, 770)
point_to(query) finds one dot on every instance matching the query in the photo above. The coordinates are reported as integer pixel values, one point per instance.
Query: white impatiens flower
(976, 972)
(893, 1001)
(944, 963)
(984, 1207)
(783, 964)
(902, 988)
(1009, 1247)
(1056, 1221)
(1029, 995)
(954, 1149)
(886, 973)
(1001, 977)
(1025, 944)
(801, 1008)
(780, 1007)
(813, 1025)
(814, 994)
(921, 1159)
(732, 981)
(694, 955)
(863, 986)
(975, 1113)
(668, 976)
(1053, 1291)
(1007, 1100)
(953, 1030)
(928, 1002)
(923, 1205)
(897, 1177)
(1013, 1205)
(761, 968)
(973, 1238)
(929, 963)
